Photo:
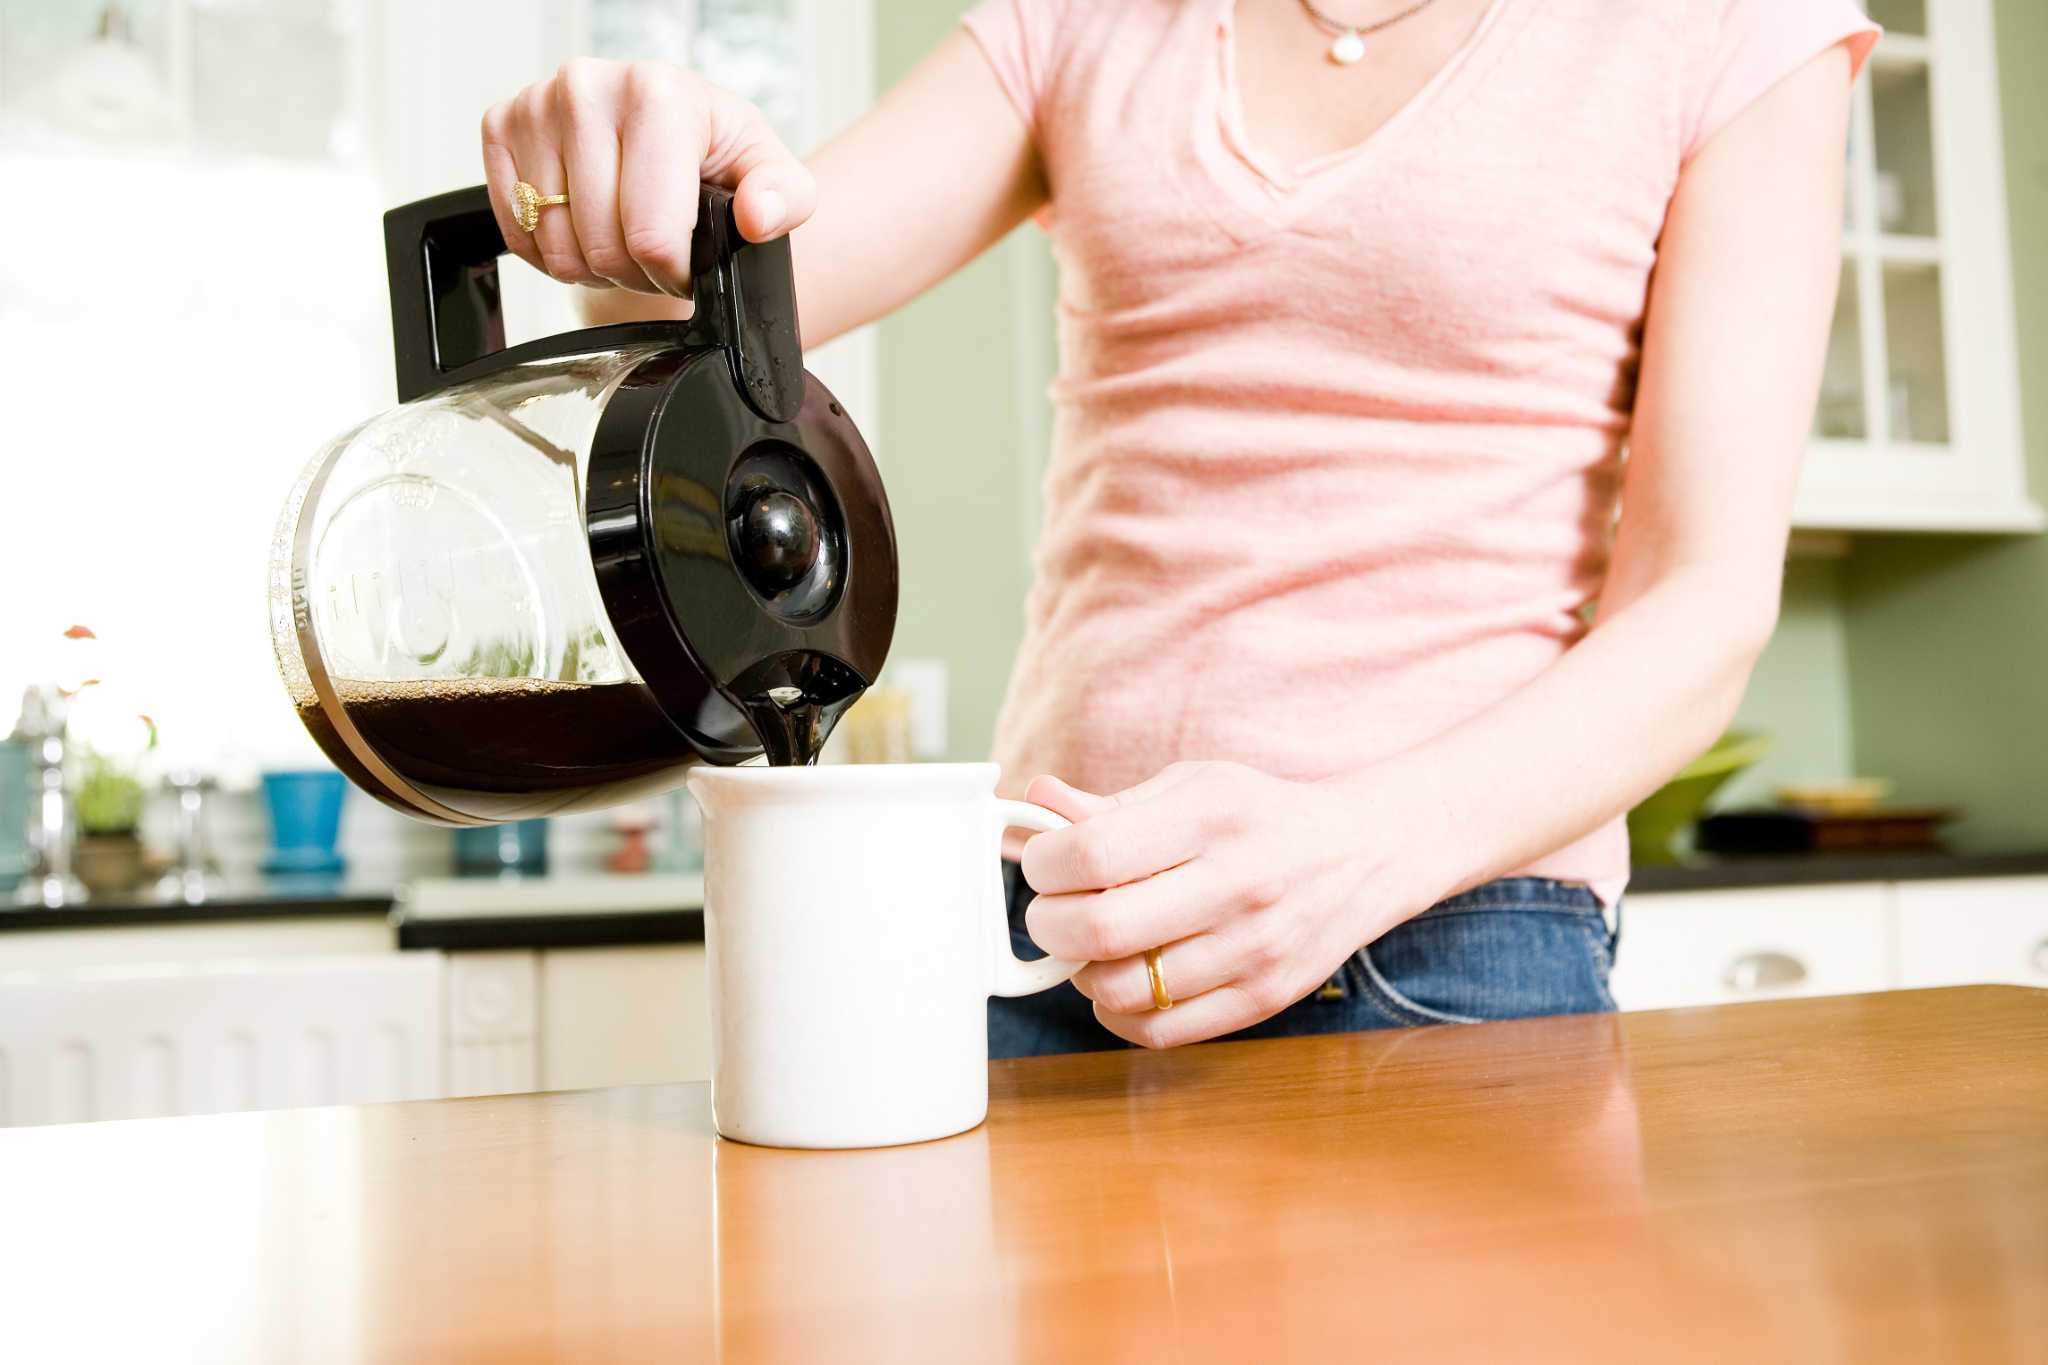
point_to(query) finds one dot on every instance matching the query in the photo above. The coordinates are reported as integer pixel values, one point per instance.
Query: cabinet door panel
(1722, 947)
(1961, 933)
(624, 1016)
(108, 1042)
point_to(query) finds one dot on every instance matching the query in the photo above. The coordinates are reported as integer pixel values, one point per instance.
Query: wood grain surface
(1862, 1178)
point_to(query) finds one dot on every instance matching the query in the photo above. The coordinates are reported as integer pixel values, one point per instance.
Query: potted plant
(108, 802)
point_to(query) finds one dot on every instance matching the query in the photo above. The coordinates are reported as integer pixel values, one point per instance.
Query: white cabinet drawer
(1965, 932)
(1720, 947)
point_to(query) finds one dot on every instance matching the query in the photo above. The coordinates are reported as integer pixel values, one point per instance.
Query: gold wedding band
(1160, 999)
(527, 202)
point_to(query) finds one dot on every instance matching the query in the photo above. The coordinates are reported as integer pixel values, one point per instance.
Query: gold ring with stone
(527, 202)
(1160, 999)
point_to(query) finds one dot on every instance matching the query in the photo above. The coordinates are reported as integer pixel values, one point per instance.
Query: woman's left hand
(1254, 889)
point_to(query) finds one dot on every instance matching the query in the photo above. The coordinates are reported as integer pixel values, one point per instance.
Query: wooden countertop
(1862, 1178)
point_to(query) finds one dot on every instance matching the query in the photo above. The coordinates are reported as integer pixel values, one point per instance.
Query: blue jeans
(1509, 949)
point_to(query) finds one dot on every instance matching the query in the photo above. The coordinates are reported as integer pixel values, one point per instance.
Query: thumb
(1062, 798)
(773, 199)
(773, 192)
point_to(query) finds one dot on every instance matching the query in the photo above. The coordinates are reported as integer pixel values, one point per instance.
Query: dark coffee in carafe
(519, 748)
(511, 748)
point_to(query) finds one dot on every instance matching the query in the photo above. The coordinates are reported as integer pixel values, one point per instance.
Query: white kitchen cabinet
(216, 941)
(200, 1018)
(1723, 947)
(569, 1018)
(624, 1016)
(576, 1018)
(155, 1039)
(1966, 932)
(493, 1025)
(1918, 427)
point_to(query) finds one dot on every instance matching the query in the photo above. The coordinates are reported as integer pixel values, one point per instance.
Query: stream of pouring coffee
(792, 727)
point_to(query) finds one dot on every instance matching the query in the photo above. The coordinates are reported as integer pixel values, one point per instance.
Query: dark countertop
(287, 899)
(268, 898)
(1703, 872)
(597, 929)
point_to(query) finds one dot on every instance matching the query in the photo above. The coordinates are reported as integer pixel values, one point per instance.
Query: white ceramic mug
(855, 922)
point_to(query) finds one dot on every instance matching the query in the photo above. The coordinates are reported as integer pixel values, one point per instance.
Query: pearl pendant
(1348, 48)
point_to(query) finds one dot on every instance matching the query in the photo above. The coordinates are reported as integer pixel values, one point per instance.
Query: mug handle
(1015, 976)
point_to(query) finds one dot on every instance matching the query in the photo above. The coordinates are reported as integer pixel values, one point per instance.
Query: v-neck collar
(1275, 193)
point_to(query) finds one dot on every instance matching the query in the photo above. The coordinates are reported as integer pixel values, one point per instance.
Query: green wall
(1799, 694)
(962, 438)
(1948, 638)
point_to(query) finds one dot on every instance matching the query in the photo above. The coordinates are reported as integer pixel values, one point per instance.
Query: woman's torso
(1337, 450)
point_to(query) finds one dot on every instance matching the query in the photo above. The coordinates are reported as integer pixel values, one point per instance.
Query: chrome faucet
(50, 882)
(194, 877)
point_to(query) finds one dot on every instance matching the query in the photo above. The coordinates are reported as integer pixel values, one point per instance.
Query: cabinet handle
(2041, 957)
(1765, 971)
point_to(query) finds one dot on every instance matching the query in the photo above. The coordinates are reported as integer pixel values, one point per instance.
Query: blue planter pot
(518, 849)
(305, 822)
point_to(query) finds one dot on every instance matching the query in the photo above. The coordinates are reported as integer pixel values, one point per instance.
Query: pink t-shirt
(1337, 452)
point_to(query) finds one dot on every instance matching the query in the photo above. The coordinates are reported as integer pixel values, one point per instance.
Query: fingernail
(771, 208)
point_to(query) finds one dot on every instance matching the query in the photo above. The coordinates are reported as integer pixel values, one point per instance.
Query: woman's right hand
(620, 138)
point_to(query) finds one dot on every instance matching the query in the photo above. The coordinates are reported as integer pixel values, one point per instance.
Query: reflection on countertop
(1851, 1178)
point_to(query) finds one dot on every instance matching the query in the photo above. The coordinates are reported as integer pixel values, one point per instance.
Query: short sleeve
(1758, 43)
(1020, 38)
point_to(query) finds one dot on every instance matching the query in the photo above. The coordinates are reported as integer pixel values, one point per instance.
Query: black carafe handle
(448, 321)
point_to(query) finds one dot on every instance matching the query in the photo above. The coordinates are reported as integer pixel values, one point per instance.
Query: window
(192, 298)
(190, 303)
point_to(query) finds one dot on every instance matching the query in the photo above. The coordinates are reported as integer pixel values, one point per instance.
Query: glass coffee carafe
(561, 573)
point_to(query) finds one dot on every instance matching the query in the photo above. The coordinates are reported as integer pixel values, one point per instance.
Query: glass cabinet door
(1841, 415)
(1887, 376)
(1917, 427)
(1917, 420)
(1900, 16)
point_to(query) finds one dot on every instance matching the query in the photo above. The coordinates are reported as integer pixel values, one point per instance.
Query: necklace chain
(1336, 28)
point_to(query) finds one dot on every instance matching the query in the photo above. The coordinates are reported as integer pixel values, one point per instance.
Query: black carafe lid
(738, 527)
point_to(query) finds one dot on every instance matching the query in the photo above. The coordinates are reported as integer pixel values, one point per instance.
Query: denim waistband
(1521, 893)
(1505, 893)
